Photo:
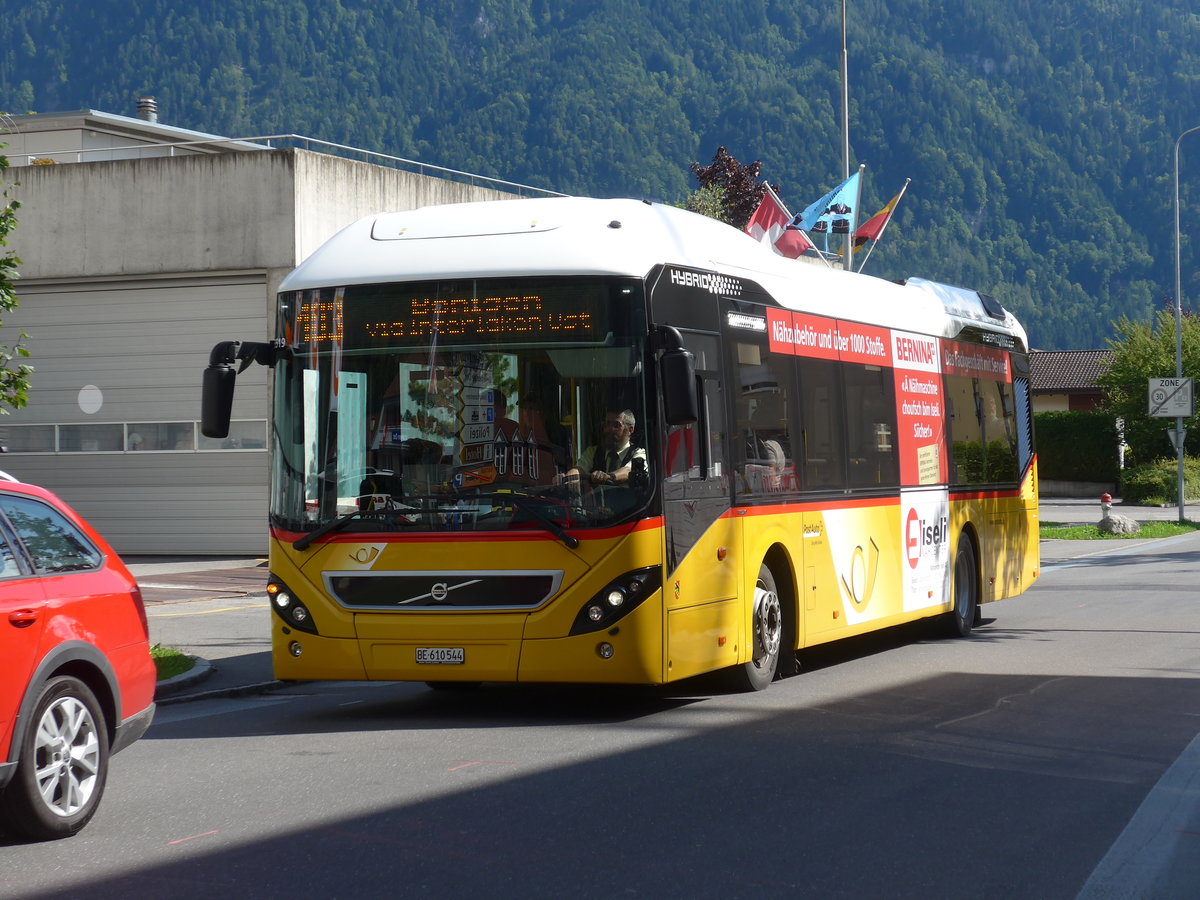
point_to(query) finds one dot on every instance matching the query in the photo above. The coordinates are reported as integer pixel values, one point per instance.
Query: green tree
(710, 201)
(14, 374)
(730, 186)
(1141, 351)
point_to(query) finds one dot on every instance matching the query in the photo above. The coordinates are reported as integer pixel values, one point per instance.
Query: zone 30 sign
(1171, 398)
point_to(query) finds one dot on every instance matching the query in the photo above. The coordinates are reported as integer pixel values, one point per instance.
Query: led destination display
(473, 313)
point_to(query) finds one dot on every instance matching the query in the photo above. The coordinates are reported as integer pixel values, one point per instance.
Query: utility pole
(847, 255)
(1179, 432)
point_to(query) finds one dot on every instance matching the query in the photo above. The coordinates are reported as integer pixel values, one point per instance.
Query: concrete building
(143, 245)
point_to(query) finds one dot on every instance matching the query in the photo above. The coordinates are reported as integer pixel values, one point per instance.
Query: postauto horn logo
(923, 538)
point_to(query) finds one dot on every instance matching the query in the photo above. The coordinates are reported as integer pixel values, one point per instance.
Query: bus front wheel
(766, 636)
(964, 589)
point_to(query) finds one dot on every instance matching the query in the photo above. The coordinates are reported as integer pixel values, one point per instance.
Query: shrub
(1157, 483)
(1077, 446)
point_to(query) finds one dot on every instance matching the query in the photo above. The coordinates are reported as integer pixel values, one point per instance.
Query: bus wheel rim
(768, 625)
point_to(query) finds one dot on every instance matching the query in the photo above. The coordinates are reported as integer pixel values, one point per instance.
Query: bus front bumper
(447, 650)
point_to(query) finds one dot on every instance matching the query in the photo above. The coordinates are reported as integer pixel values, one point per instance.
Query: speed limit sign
(1171, 398)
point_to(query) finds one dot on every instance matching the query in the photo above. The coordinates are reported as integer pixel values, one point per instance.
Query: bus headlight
(617, 599)
(285, 606)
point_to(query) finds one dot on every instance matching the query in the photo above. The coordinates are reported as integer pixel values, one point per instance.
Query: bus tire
(766, 636)
(964, 589)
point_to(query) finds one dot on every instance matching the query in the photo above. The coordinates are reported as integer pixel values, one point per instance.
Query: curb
(172, 690)
(176, 684)
(240, 690)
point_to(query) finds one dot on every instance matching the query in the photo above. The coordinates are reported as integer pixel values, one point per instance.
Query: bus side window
(1023, 416)
(694, 454)
(820, 425)
(762, 443)
(871, 426)
(966, 430)
(1000, 431)
(714, 418)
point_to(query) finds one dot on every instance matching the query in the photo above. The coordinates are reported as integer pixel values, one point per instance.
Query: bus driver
(611, 462)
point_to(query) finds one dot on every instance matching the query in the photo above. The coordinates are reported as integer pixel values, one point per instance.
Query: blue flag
(834, 213)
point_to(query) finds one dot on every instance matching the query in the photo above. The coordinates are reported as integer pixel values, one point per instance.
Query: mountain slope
(1038, 136)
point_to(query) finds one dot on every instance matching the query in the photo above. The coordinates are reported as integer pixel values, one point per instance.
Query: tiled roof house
(1066, 379)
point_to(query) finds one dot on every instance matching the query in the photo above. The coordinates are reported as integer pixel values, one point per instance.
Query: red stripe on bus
(357, 537)
(810, 505)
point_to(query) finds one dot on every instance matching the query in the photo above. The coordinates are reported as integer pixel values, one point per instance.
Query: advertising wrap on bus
(567, 446)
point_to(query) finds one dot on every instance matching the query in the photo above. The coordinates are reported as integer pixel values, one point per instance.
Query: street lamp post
(1179, 323)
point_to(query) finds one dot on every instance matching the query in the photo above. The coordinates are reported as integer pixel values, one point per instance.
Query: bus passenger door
(700, 588)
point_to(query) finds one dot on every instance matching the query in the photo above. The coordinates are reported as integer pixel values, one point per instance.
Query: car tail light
(136, 595)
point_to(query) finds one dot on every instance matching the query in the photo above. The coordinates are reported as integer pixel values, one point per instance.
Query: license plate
(441, 656)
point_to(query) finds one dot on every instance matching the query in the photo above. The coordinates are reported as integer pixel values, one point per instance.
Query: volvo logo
(438, 592)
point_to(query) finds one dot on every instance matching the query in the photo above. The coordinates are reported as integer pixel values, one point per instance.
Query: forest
(1038, 135)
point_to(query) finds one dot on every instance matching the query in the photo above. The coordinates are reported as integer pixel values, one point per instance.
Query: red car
(76, 677)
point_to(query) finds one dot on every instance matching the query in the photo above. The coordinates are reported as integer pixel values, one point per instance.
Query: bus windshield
(464, 405)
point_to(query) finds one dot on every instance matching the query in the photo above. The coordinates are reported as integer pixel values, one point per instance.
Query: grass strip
(170, 662)
(1057, 531)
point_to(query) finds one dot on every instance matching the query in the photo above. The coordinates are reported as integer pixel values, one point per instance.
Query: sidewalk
(166, 579)
(192, 590)
(1086, 511)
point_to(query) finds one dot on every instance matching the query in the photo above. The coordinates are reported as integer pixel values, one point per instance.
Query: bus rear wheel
(964, 589)
(766, 636)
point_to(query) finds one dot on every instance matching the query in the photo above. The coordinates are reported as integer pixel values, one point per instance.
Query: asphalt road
(1053, 754)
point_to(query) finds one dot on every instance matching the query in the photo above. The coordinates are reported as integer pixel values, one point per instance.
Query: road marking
(203, 708)
(194, 836)
(479, 762)
(203, 612)
(1147, 859)
(1144, 543)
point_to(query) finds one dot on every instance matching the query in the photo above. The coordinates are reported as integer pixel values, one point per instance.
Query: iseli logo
(923, 537)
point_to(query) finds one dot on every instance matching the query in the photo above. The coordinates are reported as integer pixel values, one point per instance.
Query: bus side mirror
(680, 402)
(216, 400)
(216, 396)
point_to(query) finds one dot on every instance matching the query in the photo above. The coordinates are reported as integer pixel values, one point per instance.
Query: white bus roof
(584, 236)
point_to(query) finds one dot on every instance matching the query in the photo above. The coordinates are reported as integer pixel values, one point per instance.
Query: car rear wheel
(62, 765)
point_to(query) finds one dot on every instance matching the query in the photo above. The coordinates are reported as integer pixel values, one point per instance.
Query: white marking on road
(1151, 857)
(217, 706)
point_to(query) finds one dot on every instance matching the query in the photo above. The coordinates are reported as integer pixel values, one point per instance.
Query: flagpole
(854, 220)
(886, 223)
(774, 196)
(848, 255)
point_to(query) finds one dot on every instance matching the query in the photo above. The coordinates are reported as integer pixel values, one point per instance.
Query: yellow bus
(610, 441)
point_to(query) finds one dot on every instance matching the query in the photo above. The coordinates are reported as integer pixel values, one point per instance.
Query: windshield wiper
(302, 542)
(551, 526)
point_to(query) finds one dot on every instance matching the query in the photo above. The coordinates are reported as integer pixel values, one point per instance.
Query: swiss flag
(769, 225)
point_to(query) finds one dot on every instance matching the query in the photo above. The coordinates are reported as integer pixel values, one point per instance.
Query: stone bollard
(1115, 523)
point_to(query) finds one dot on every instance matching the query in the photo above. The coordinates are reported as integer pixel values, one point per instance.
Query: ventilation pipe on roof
(147, 109)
